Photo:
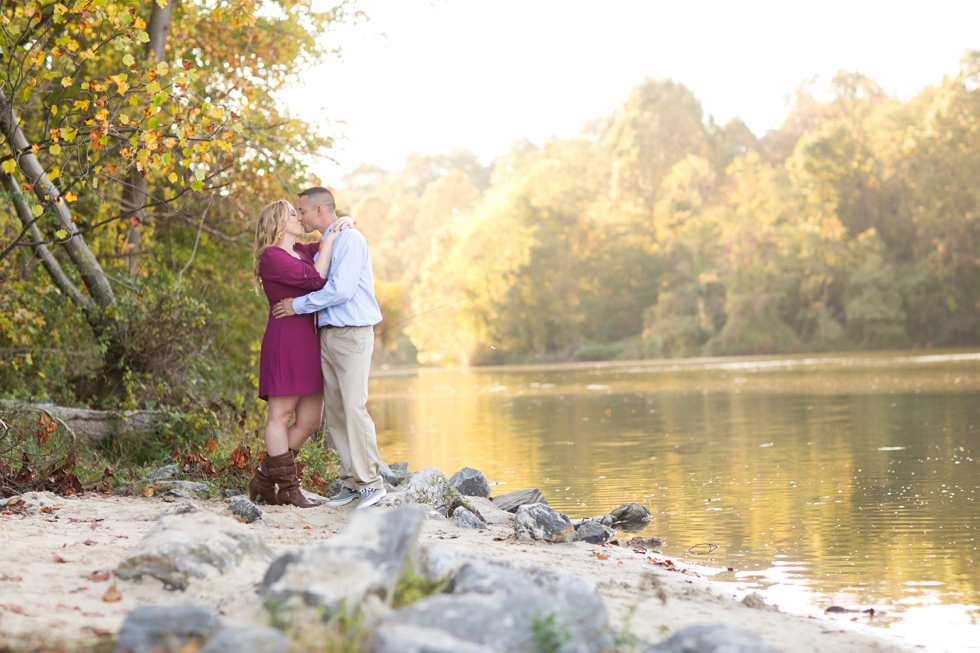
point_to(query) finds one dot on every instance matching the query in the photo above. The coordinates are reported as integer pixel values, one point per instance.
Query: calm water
(826, 480)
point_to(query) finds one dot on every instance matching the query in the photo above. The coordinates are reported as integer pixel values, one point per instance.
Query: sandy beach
(57, 589)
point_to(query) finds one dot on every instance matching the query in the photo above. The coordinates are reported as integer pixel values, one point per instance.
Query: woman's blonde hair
(269, 228)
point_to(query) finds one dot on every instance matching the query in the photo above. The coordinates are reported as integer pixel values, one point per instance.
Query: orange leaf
(133, 220)
(99, 576)
(601, 557)
(112, 594)
(147, 492)
(608, 412)
(58, 558)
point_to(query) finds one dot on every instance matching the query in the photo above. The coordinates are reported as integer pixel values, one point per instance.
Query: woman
(289, 368)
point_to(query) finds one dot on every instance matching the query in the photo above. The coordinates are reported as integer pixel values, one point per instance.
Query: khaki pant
(345, 359)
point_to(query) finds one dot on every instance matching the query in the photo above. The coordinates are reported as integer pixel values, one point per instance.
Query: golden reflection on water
(852, 479)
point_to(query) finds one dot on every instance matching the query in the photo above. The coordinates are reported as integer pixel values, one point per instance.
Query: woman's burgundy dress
(290, 359)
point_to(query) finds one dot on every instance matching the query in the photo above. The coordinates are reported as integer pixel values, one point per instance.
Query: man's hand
(283, 308)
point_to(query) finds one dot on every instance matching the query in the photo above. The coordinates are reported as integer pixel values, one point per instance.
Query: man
(346, 314)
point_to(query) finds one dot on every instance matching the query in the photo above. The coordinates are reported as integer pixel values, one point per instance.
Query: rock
(471, 483)
(438, 563)
(334, 487)
(244, 509)
(390, 476)
(594, 532)
(755, 601)
(431, 487)
(646, 543)
(712, 638)
(365, 559)
(396, 499)
(34, 502)
(229, 493)
(396, 638)
(389, 487)
(399, 468)
(487, 511)
(167, 628)
(247, 640)
(434, 515)
(315, 498)
(184, 508)
(466, 519)
(161, 474)
(513, 500)
(605, 520)
(170, 495)
(630, 513)
(194, 544)
(508, 608)
(539, 522)
(199, 489)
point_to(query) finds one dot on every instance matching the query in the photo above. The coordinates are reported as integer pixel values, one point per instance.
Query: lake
(823, 480)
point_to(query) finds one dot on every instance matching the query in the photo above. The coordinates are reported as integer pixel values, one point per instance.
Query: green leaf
(200, 174)
(197, 185)
(37, 210)
(128, 60)
(142, 37)
(55, 149)
(61, 234)
(9, 166)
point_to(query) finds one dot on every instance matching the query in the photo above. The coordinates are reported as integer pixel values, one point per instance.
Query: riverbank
(56, 592)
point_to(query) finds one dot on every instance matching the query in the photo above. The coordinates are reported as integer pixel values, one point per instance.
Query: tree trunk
(94, 278)
(134, 193)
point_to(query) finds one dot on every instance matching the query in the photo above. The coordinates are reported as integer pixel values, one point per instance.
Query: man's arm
(348, 257)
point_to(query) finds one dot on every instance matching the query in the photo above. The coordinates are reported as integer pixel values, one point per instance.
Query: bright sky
(430, 76)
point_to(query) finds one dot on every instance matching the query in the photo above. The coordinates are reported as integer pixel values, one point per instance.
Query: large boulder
(392, 476)
(438, 563)
(247, 640)
(431, 487)
(165, 628)
(365, 559)
(712, 638)
(414, 639)
(193, 544)
(466, 519)
(513, 608)
(471, 483)
(539, 522)
(487, 511)
(514, 500)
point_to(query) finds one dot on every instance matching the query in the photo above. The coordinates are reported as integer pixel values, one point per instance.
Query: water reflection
(823, 480)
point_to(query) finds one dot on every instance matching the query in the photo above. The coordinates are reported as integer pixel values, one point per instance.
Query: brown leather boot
(262, 484)
(282, 472)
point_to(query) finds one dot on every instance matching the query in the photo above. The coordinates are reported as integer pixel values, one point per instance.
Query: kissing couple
(317, 348)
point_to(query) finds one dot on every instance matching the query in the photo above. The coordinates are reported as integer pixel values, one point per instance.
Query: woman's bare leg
(281, 410)
(309, 411)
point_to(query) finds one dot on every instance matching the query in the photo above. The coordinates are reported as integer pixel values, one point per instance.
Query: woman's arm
(277, 265)
(326, 245)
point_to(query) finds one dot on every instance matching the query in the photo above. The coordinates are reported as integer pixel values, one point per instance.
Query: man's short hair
(321, 196)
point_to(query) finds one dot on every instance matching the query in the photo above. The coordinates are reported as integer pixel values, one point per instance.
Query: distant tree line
(659, 233)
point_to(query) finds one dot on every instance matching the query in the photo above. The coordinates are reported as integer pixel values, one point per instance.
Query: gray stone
(594, 532)
(166, 628)
(315, 498)
(605, 520)
(396, 499)
(188, 487)
(229, 493)
(647, 543)
(390, 476)
(471, 483)
(399, 467)
(513, 500)
(365, 559)
(170, 495)
(438, 563)
(501, 606)
(757, 602)
(487, 511)
(190, 545)
(389, 487)
(244, 509)
(539, 522)
(434, 515)
(184, 508)
(712, 638)
(466, 519)
(630, 513)
(431, 487)
(247, 640)
(162, 474)
(396, 638)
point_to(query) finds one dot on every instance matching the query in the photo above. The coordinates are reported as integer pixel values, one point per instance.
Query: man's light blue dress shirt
(347, 299)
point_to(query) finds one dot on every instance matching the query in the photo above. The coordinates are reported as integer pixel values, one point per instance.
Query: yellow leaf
(139, 23)
(39, 58)
(9, 166)
(54, 109)
(70, 196)
(55, 149)
(172, 177)
(37, 210)
(216, 112)
(163, 68)
(61, 234)
(66, 81)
